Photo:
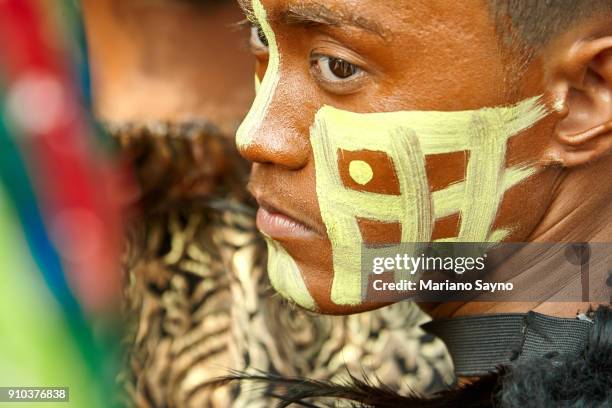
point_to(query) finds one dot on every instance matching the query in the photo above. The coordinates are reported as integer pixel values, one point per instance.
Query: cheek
(443, 170)
(531, 146)
(414, 175)
(534, 193)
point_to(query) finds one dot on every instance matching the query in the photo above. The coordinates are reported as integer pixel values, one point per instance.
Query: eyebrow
(315, 14)
(247, 9)
(309, 14)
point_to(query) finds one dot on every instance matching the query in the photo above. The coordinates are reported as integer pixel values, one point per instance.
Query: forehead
(435, 54)
(388, 16)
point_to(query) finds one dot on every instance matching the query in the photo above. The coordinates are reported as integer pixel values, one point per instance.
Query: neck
(579, 207)
(578, 212)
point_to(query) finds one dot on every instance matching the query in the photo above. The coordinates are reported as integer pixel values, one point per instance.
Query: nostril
(290, 153)
(254, 153)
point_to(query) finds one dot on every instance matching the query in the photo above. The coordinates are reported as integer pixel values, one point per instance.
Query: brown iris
(341, 68)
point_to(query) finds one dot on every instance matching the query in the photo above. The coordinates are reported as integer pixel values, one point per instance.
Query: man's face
(329, 177)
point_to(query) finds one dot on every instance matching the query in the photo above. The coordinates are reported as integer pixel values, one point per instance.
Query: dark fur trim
(555, 380)
(565, 380)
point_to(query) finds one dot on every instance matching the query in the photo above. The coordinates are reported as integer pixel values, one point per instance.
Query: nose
(274, 131)
(280, 146)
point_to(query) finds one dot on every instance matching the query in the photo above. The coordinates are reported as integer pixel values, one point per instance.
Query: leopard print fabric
(200, 306)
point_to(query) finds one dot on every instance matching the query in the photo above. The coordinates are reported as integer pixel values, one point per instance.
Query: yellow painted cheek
(407, 138)
(361, 172)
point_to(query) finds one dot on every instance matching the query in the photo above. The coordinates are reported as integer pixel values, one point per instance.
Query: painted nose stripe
(265, 89)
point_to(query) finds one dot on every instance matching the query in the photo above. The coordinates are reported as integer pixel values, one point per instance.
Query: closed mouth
(278, 224)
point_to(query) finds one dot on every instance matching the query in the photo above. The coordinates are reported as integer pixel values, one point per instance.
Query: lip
(279, 225)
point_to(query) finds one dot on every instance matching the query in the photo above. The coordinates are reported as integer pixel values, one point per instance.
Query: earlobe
(582, 97)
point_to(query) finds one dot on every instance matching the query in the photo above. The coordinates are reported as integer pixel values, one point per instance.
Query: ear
(582, 89)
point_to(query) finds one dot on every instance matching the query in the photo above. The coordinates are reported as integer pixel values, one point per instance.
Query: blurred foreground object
(59, 242)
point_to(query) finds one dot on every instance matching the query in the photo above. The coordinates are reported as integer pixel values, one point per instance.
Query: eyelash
(322, 66)
(258, 40)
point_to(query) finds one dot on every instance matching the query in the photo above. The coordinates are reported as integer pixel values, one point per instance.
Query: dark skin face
(408, 55)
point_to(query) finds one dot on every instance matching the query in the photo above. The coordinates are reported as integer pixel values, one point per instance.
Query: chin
(320, 295)
(295, 276)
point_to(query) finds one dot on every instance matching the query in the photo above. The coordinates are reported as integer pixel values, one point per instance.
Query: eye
(258, 40)
(335, 69)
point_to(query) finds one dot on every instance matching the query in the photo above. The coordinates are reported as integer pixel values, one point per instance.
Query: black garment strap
(479, 344)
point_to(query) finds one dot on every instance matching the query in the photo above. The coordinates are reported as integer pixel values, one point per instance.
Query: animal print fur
(200, 306)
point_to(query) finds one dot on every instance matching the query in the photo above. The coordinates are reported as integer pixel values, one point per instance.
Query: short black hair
(534, 23)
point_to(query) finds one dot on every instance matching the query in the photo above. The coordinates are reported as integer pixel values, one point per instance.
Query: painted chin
(314, 260)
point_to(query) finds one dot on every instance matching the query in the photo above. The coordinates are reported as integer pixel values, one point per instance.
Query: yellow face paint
(257, 84)
(285, 276)
(361, 172)
(265, 90)
(406, 138)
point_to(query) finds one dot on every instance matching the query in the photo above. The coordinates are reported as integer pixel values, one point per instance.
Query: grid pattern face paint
(407, 138)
